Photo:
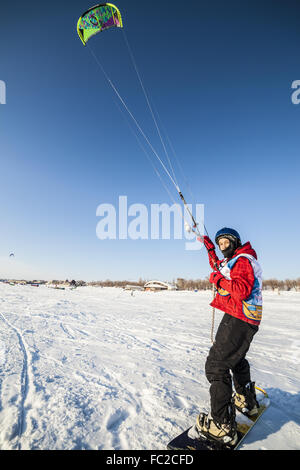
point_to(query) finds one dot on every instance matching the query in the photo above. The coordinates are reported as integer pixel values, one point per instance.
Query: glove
(207, 243)
(215, 277)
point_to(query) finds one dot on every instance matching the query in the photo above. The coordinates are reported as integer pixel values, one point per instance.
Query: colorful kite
(97, 19)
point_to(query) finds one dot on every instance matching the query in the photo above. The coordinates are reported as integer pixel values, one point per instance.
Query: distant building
(158, 286)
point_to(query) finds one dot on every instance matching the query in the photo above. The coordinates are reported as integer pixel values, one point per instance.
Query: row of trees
(192, 284)
(288, 284)
(109, 283)
(181, 283)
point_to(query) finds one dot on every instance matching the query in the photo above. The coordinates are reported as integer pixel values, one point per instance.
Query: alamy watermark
(295, 97)
(160, 222)
(2, 353)
(2, 92)
(295, 351)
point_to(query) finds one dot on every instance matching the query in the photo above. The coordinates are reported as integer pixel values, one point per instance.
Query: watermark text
(2, 92)
(296, 94)
(138, 222)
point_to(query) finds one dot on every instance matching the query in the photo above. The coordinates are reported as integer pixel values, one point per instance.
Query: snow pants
(232, 341)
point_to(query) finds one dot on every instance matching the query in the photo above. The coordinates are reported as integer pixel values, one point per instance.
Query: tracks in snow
(25, 384)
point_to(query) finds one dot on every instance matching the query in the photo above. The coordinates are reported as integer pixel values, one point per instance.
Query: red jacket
(240, 286)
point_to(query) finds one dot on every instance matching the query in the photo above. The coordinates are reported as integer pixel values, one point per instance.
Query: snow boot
(246, 401)
(222, 432)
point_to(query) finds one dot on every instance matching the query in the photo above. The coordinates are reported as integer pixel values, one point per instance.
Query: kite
(94, 21)
(97, 19)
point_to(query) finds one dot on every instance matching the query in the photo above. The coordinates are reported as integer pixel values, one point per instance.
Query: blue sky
(219, 74)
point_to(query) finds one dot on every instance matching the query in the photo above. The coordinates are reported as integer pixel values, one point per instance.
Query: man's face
(224, 243)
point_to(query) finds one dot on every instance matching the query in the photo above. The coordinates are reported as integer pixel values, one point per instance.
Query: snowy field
(98, 368)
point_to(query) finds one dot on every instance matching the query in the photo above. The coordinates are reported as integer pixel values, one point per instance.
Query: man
(238, 281)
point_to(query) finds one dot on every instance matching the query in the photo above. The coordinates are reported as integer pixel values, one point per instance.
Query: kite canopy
(97, 19)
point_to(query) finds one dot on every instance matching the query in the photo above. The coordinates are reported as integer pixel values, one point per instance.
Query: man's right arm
(211, 250)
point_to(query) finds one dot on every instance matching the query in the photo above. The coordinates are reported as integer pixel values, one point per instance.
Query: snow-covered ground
(98, 368)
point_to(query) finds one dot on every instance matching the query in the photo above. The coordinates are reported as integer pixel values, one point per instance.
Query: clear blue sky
(220, 75)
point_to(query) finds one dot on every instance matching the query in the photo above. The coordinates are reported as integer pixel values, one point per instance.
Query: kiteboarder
(238, 282)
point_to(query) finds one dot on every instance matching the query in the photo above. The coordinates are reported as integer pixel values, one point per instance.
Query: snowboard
(190, 439)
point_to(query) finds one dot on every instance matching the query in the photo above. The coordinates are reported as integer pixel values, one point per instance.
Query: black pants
(228, 352)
